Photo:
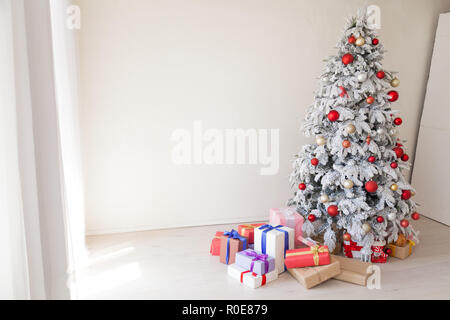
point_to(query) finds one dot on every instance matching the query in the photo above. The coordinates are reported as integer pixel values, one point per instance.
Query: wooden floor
(175, 264)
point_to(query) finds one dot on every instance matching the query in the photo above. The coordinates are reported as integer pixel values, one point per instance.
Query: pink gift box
(288, 217)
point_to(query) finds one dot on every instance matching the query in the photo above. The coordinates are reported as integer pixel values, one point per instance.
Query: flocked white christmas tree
(351, 177)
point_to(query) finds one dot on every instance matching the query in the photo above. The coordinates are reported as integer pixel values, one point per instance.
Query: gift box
(310, 277)
(352, 270)
(215, 244)
(378, 254)
(352, 249)
(231, 242)
(402, 252)
(248, 230)
(274, 241)
(288, 217)
(250, 279)
(255, 262)
(307, 257)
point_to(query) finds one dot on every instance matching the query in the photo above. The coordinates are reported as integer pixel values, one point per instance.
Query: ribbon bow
(315, 251)
(258, 257)
(233, 234)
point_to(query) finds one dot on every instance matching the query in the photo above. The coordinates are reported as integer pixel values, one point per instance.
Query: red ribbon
(242, 275)
(263, 281)
(348, 248)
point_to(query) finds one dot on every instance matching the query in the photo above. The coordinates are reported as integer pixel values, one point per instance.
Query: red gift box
(378, 254)
(352, 249)
(248, 230)
(307, 257)
(215, 244)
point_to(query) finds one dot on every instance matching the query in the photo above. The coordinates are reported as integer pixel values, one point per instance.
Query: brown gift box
(402, 252)
(312, 276)
(352, 270)
(235, 246)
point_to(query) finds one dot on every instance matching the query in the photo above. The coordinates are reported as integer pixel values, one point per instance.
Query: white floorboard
(176, 264)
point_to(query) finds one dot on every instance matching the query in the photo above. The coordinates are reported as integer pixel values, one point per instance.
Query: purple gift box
(255, 262)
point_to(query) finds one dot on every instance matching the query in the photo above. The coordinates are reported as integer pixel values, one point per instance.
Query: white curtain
(66, 88)
(14, 281)
(41, 195)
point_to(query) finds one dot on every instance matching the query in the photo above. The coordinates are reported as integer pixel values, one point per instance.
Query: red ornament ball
(375, 41)
(333, 210)
(351, 39)
(398, 121)
(406, 194)
(380, 219)
(404, 223)
(393, 95)
(405, 157)
(347, 58)
(398, 151)
(333, 115)
(415, 216)
(314, 161)
(371, 159)
(346, 144)
(312, 218)
(371, 186)
(380, 74)
(399, 144)
(347, 236)
(370, 100)
(388, 251)
(394, 165)
(302, 186)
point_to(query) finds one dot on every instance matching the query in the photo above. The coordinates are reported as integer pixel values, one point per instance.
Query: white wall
(430, 172)
(150, 67)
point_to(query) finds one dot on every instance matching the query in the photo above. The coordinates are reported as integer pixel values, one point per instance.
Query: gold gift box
(402, 252)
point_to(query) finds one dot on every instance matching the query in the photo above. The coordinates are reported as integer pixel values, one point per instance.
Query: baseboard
(97, 232)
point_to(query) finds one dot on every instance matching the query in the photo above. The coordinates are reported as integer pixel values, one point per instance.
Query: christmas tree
(350, 179)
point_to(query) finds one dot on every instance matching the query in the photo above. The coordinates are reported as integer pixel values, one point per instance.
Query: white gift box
(275, 243)
(250, 279)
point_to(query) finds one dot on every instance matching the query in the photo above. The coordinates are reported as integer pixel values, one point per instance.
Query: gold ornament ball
(324, 198)
(366, 227)
(394, 187)
(395, 82)
(348, 184)
(350, 129)
(360, 41)
(413, 193)
(321, 141)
